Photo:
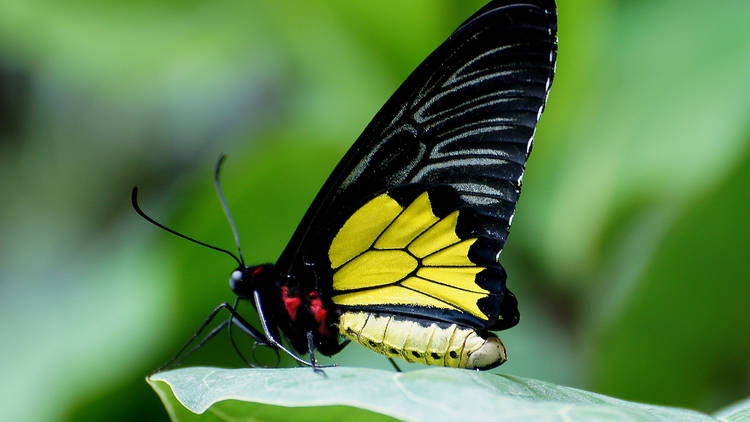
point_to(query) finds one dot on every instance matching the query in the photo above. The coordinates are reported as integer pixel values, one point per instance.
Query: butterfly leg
(395, 366)
(311, 348)
(182, 355)
(255, 357)
(236, 320)
(247, 330)
(179, 356)
(232, 322)
(273, 342)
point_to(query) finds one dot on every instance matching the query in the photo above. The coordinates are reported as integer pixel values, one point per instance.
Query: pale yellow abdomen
(423, 341)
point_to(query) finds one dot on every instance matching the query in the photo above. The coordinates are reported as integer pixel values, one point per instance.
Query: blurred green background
(628, 251)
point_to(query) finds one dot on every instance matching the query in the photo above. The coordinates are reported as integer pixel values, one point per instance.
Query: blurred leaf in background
(627, 252)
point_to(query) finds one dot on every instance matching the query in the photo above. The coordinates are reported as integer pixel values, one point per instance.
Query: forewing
(464, 118)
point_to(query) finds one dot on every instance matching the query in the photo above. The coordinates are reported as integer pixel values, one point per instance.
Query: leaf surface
(201, 393)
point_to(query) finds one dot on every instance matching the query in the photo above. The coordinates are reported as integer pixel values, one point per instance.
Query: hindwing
(414, 250)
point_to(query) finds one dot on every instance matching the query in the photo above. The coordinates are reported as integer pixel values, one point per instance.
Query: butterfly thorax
(289, 305)
(302, 309)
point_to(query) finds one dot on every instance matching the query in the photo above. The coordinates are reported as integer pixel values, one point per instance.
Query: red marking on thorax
(315, 305)
(320, 314)
(290, 303)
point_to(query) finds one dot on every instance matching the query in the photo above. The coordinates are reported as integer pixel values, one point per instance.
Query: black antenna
(140, 212)
(226, 208)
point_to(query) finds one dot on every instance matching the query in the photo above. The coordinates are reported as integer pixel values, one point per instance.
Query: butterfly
(400, 249)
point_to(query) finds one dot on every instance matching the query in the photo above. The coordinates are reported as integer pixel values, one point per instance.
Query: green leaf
(738, 412)
(367, 394)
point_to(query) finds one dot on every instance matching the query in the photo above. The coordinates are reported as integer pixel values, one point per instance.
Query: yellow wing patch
(415, 219)
(374, 268)
(437, 237)
(386, 254)
(460, 277)
(452, 255)
(362, 228)
(389, 295)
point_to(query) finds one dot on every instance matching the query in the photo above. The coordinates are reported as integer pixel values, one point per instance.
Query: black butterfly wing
(465, 119)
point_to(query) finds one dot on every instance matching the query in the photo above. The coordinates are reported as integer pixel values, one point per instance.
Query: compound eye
(236, 276)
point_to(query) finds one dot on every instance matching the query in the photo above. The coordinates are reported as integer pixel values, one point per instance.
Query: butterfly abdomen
(424, 341)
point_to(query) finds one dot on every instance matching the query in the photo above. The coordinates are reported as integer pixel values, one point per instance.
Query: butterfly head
(245, 280)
